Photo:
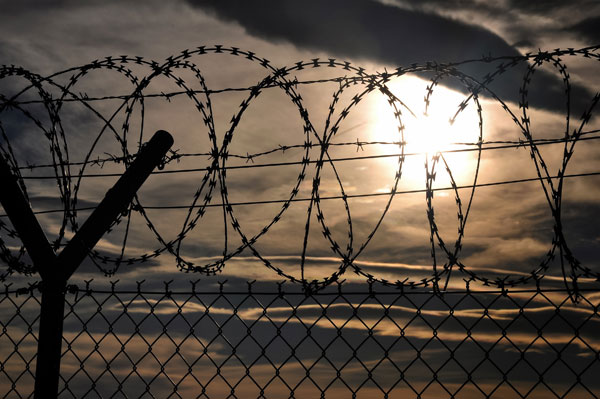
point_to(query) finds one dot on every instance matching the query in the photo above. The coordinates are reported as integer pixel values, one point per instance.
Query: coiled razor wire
(213, 184)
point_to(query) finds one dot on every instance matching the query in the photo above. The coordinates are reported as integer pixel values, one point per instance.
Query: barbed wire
(334, 197)
(176, 156)
(445, 258)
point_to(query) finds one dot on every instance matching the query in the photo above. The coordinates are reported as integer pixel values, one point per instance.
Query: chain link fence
(340, 343)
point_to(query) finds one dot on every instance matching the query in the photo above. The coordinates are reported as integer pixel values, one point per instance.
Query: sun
(431, 128)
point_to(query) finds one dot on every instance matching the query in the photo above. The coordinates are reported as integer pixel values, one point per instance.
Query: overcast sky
(509, 227)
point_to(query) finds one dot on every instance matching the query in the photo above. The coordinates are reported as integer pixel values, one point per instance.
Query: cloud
(587, 30)
(537, 6)
(387, 34)
(362, 28)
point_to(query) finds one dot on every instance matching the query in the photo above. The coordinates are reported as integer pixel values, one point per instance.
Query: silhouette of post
(55, 270)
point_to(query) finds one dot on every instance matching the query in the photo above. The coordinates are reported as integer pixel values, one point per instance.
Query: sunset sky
(509, 229)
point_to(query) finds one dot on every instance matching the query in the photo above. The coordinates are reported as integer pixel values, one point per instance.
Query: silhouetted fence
(322, 340)
(257, 343)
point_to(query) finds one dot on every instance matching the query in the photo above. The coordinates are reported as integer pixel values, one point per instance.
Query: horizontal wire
(85, 98)
(359, 144)
(518, 144)
(333, 291)
(349, 196)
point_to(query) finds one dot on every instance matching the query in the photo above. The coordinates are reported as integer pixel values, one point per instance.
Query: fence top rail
(279, 289)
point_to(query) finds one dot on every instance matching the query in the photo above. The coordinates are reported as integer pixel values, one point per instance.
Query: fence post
(47, 370)
(56, 270)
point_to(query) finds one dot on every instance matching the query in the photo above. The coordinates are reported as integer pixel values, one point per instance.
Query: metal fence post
(56, 270)
(47, 371)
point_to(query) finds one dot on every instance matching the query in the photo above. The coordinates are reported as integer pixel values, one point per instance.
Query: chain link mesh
(339, 343)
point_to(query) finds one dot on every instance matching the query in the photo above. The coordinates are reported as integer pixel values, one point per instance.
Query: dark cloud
(360, 29)
(588, 30)
(25, 6)
(523, 43)
(452, 5)
(527, 24)
(581, 232)
(12, 7)
(540, 7)
(543, 6)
